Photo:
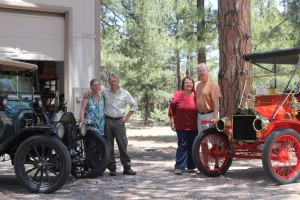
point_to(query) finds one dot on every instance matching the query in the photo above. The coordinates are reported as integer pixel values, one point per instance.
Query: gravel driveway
(153, 151)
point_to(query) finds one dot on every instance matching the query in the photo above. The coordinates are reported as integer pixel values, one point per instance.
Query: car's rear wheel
(211, 152)
(281, 156)
(91, 156)
(42, 164)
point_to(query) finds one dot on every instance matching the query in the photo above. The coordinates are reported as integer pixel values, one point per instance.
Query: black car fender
(10, 145)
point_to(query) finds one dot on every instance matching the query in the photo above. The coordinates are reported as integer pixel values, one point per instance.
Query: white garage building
(61, 36)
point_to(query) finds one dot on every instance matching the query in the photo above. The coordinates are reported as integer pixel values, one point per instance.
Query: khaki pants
(203, 118)
(115, 129)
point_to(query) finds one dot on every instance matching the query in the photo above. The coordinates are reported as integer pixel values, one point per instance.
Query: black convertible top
(280, 56)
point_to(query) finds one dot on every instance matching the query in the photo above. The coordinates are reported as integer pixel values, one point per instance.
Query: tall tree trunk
(178, 69)
(147, 109)
(188, 68)
(201, 32)
(234, 41)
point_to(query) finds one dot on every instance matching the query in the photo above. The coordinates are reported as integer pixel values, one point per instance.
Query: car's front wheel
(211, 152)
(42, 164)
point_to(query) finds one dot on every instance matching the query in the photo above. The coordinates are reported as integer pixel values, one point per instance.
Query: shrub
(160, 117)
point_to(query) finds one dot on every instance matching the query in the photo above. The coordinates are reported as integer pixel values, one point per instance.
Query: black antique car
(27, 136)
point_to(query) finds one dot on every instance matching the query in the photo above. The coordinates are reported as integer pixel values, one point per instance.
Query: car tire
(42, 164)
(92, 156)
(281, 158)
(211, 152)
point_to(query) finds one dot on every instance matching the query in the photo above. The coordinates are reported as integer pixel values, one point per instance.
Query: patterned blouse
(94, 113)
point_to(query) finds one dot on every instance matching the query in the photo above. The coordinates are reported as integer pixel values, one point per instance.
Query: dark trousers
(184, 151)
(115, 129)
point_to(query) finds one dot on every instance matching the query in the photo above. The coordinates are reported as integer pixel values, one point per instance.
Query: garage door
(31, 35)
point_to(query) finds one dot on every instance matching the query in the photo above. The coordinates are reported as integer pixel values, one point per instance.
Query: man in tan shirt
(207, 99)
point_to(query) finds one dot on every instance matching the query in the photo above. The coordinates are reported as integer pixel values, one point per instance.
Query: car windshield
(265, 80)
(277, 71)
(15, 84)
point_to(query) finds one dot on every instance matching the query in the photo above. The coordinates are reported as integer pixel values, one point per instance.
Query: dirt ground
(153, 156)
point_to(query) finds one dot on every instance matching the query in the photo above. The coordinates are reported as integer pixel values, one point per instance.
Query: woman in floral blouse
(92, 107)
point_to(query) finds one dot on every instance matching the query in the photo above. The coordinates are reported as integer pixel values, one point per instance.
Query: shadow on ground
(159, 139)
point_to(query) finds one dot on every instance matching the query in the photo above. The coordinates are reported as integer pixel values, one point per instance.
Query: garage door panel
(25, 36)
(21, 50)
(7, 41)
(6, 44)
(46, 45)
(42, 28)
(10, 27)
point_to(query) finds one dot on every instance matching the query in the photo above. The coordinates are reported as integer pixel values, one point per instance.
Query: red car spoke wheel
(281, 156)
(211, 152)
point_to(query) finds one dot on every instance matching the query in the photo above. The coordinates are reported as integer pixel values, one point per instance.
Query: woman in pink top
(183, 117)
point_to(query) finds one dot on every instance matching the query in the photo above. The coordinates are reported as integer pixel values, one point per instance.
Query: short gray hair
(94, 80)
(113, 76)
(203, 64)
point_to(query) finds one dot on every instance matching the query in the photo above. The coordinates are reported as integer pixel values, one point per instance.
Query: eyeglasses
(96, 85)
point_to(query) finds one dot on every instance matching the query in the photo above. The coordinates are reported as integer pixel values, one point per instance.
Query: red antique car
(265, 125)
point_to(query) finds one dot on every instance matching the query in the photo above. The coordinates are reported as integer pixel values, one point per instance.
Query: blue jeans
(184, 151)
